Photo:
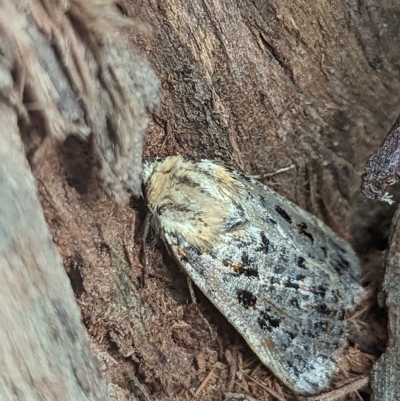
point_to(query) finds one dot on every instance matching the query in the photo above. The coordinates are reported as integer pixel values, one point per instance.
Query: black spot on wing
(294, 302)
(290, 284)
(267, 321)
(336, 295)
(293, 367)
(324, 310)
(282, 212)
(318, 290)
(339, 248)
(275, 280)
(279, 269)
(322, 326)
(250, 272)
(302, 227)
(265, 244)
(301, 262)
(239, 210)
(342, 314)
(246, 298)
(245, 259)
(195, 250)
(341, 265)
(309, 334)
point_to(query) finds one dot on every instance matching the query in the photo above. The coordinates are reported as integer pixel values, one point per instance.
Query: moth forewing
(282, 278)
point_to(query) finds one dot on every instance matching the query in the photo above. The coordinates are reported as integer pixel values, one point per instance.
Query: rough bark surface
(61, 74)
(44, 349)
(386, 373)
(79, 75)
(383, 167)
(261, 85)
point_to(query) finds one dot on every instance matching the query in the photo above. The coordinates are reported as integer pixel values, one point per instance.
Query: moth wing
(302, 232)
(283, 279)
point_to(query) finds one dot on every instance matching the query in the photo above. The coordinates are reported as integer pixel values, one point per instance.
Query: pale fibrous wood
(260, 85)
(44, 349)
(61, 74)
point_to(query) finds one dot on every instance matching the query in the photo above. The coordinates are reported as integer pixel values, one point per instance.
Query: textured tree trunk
(298, 93)
(386, 373)
(43, 347)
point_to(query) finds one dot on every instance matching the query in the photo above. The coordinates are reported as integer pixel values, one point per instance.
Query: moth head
(149, 168)
(157, 169)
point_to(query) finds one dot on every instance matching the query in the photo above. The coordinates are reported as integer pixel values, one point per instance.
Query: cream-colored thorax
(192, 200)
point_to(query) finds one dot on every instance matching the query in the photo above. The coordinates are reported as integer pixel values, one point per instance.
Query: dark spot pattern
(336, 295)
(240, 210)
(246, 298)
(282, 212)
(275, 280)
(294, 302)
(184, 258)
(290, 284)
(268, 322)
(303, 230)
(341, 314)
(249, 272)
(323, 326)
(245, 259)
(338, 247)
(323, 309)
(309, 333)
(265, 247)
(341, 265)
(195, 250)
(300, 262)
(293, 367)
(318, 290)
(279, 269)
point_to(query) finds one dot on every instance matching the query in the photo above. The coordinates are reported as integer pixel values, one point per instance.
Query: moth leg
(145, 231)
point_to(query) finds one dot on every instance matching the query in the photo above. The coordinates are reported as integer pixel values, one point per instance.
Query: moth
(281, 277)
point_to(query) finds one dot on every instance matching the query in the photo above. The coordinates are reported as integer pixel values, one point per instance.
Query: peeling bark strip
(66, 68)
(79, 71)
(44, 350)
(386, 373)
(383, 167)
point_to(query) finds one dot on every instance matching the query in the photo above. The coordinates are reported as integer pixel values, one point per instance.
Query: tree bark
(43, 346)
(260, 85)
(386, 374)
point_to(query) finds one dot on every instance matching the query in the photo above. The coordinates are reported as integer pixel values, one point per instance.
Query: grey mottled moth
(281, 277)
